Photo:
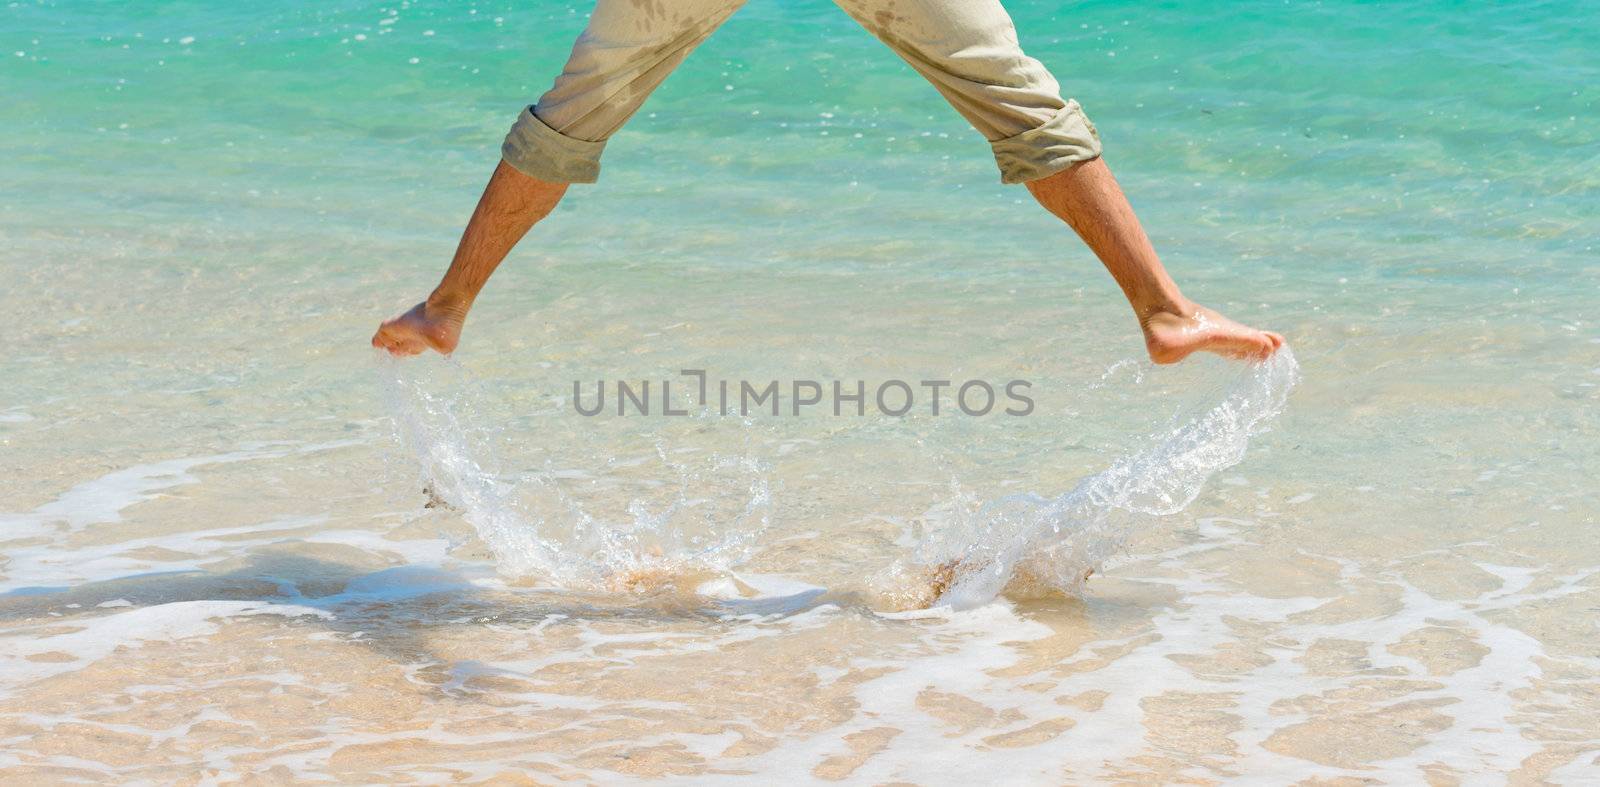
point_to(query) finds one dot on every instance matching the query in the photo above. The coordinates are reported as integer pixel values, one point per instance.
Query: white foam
(972, 654)
(100, 637)
(53, 565)
(101, 500)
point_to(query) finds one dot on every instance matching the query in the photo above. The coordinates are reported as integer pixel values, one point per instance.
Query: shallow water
(218, 561)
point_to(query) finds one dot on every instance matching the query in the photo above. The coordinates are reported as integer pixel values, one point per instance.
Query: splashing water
(535, 529)
(1029, 542)
(1024, 542)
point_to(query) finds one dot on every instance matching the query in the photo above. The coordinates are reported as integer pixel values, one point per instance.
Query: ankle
(449, 305)
(1174, 306)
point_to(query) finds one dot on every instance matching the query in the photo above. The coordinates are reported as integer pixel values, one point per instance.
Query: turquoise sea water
(207, 207)
(1408, 191)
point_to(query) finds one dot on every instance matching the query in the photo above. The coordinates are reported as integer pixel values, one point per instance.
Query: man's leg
(1087, 197)
(627, 50)
(968, 49)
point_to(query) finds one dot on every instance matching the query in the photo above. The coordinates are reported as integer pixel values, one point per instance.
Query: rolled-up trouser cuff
(537, 150)
(1066, 139)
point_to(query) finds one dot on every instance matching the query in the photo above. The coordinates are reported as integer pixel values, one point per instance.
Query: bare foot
(1171, 337)
(424, 327)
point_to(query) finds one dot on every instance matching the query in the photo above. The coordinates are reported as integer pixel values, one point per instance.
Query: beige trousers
(967, 48)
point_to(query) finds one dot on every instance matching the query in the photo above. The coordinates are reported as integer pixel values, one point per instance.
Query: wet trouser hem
(1066, 139)
(537, 150)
